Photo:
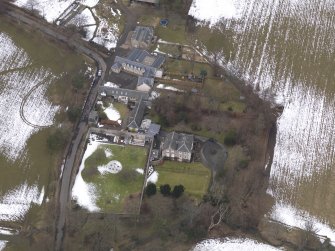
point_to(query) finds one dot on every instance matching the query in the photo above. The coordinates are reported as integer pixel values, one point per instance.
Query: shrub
(151, 189)
(178, 191)
(102, 115)
(73, 113)
(243, 164)
(231, 138)
(165, 189)
(56, 140)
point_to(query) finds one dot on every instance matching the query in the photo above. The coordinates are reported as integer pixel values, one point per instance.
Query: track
(25, 98)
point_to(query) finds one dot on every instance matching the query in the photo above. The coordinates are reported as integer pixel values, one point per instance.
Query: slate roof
(180, 142)
(145, 80)
(153, 129)
(137, 115)
(143, 33)
(141, 59)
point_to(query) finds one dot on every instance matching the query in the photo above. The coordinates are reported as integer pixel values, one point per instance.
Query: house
(142, 37)
(136, 116)
(178, 146)
(140, 63)
(144, 84)
(123, 95)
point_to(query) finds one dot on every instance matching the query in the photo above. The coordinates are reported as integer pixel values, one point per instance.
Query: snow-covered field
(51, 9)
(15, 96)
(21, 106)
(106, 35)
(16, 203)
(232, 245)
(287, 61)
(212, 11)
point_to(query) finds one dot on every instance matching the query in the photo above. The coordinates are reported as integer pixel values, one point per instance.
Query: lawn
(185, 67)
(193, 176)
(122, 109)
(113, 189)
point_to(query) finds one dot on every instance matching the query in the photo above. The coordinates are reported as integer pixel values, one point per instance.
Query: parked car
(99, 73)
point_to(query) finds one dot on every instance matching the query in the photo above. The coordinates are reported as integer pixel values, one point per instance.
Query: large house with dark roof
(140, 63)
(142, 37)
(178, 146)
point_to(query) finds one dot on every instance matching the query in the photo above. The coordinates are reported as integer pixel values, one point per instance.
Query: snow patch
(113, 166)
(214, 10)
(140, 170)
(3, 244)
(82, 192)
(16, 203)
(112, 113)
(228, 244)
(153, 178)
(294, 217)
(168, 87)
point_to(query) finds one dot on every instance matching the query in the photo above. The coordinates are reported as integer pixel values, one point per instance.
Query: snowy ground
(153, 178)
(112, 113)
(2, 245)
(212, 11)
(106, 34)
(298, 218)
(168, 87)
(233, 245)
(113, 166)
(82, 192)
(51, 9)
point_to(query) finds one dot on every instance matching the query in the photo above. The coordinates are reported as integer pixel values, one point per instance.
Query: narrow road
(18, 15)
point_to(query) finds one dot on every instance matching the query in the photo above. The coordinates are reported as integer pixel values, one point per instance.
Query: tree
(203, 73)
(178, 191)
(78, 81)
(231, 138)
(151, 189)
(56, 140)
(73, 113)
(165, 189)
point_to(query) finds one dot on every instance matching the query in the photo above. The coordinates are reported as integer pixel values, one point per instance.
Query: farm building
(142, 37)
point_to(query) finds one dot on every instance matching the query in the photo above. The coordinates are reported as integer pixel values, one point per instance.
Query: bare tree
(218, 216)
(31, 4)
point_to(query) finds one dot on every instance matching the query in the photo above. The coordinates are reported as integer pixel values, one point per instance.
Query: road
(82, 47)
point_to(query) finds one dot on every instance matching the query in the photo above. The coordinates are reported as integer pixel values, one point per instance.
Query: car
(99, 73)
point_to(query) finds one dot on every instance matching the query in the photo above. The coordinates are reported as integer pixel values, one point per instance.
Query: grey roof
(143, 33)
(93, 116)
(145, 80)
(116, 66)
(179, 142)
(136, 115)
(142, 59)
(116, 92)
(153, 129)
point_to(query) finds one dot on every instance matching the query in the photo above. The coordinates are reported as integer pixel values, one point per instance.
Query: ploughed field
(31, 69)
(285, 50)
